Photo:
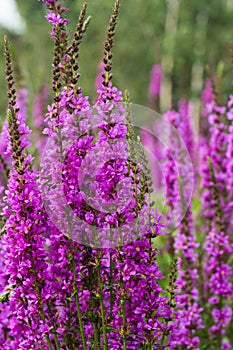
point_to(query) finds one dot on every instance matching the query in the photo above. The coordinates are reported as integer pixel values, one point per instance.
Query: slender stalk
(49, 343)
(96, 336)
(40, 304)
(124, 324)
(104, 326)
(220, 228)
(94, 318)
(77, 302)
(74, 287)
(110, 284)
(57, 345)
(56, 342)
(111, 277)
(18, 154)
(123, 332)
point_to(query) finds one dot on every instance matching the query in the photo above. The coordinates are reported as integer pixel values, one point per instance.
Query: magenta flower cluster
(79, 258)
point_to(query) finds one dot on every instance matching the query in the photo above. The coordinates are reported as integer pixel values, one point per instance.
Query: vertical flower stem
(111, 277)
(111, 284)
(123, 332)
(48, 342)
(56, 341)
(74, 286)
(55, 329)
(18, 154)
(124, 323)
(57, 346)
(104, 326)
(96, 336)
(41, 306)
(42, 315)
(77, 302)
(94, 317)
(220, 228)
(96, 331)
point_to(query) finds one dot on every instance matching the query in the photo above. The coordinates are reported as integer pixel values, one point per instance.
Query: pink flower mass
(87, 259)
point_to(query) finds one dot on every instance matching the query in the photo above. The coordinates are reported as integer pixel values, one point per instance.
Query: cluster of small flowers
(179, 182)
(78, 259)
(62, 293)
(217, 204)
(215, 166)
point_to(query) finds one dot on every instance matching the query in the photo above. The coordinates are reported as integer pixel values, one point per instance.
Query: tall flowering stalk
(72, 295)
(104, 312)
(187, 311)
(134, 267)
(217, 206)
(229, 155)
(216, 148)
(23, 243)
(218, 272)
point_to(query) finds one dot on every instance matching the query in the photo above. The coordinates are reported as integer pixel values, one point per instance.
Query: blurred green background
(184, 36)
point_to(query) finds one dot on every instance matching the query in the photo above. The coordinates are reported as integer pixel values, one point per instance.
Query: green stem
(43, 315)
(94, 321)
(104, 327)
(41, 306)
(111, 277)
(77, 302)
(123, 307)
(56, 342)
(74, 287)
(48, 342)
(54, 329)
(124, 324)
(96, 336)
(110, 284)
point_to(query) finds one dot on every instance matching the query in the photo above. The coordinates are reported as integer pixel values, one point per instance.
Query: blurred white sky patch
(10, 17)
